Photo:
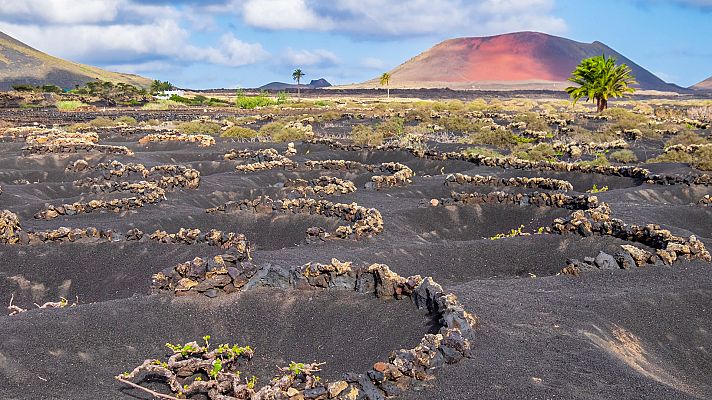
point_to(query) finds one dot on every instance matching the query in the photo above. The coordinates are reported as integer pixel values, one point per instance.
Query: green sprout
(512, 233)
(217, 367)
(296, 368)
(252, 382)
(596, 189)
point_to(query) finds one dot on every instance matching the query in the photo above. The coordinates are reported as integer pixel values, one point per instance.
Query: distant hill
(22, 64)
(524, 60)
(704, 85)
(314, 84)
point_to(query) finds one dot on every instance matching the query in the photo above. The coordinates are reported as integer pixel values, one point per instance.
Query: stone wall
(149, 193)
(362, 221)
(224, 274)
(202, 140)
(263, 159)
(398, 174)
(534, 183)
(539, 199)
(322, 186)
(75, 148)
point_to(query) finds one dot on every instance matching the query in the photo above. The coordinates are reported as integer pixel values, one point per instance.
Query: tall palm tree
(598, 78)
(297, 75)
(385, 80)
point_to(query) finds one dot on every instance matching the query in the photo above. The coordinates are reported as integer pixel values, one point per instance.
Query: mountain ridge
(532, 60)
(23, 64)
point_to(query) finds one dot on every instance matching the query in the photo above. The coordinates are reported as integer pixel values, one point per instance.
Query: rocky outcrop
(525, 182)
(362, 221)
(202, 140)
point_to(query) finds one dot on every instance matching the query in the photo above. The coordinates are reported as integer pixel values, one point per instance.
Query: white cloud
(374, 63)
(402, 17)
(118, 32)
(319, 57)
(283, 14)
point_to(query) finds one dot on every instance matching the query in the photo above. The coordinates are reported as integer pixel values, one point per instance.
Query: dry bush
(533, 120)
(366, 135)
(686, 138)
(703, 113)
(539, 152)
(624, 156)
(482, 151)
(239, 132)
(701, 159)
(500, 138)
(199, 127)
(391, 127)
(581, 134)
(127, 120)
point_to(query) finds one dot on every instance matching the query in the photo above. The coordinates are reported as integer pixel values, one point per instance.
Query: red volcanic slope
(704, 85)
(510, 58)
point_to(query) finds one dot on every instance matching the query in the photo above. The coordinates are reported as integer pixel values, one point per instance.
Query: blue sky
(246, 43)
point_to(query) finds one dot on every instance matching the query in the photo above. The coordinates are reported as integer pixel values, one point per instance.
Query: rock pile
(705, 201)
(535, 183)
(322, 186)
(9, 227)
(225, 274)
(202, 140)
(362, 221)
(263, 159)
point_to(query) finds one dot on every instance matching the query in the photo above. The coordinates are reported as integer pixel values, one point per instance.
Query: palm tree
(385, 80)
(598, 78)
(297, 75)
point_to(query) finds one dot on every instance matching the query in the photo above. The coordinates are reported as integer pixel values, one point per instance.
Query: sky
(246, 43)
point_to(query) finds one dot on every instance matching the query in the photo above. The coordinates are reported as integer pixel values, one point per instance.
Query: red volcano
(526, 58)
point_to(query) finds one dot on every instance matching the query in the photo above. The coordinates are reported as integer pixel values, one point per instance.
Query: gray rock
(606, 261)
(425, 295)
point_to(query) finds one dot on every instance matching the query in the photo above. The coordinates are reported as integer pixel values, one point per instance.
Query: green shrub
(328, 116)
(199, 127)
(251, 102)
(581, 134)
(239, 132)
(69, 105)
(599, 161)
(540, 152)
(366, 135)
(391, 127)
(702, 159)
(624, 156)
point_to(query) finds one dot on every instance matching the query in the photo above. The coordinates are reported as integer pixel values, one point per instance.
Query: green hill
(22, 64)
